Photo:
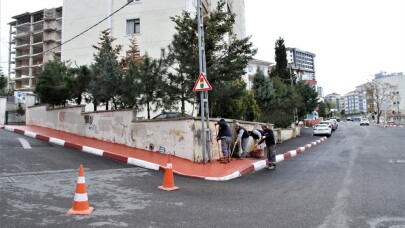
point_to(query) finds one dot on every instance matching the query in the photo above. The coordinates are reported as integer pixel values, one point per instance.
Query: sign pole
(201, 54)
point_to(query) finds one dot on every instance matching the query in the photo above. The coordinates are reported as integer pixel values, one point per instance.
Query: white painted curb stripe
(92, 150)
(302, 149)
(81, 197)
(9, 128)
(24, 143)
(293, 153)
(259, 165)
(225, 178)
(144, 164)
(309, 145)
(56, 141)
(30, 134)
(81, 180)
(279, 158)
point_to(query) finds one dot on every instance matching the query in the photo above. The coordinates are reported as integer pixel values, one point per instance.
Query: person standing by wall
(270, 149)
(242, 139)
(225, 135)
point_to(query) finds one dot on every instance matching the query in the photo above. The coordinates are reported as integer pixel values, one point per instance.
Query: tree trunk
(147, 107)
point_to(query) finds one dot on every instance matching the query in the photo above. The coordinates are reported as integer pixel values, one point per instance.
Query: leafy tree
(79, 83)
(52, 84)
(309, 99)
(281, 69)
(131, 86)
(286, 99)
(380, 92)
(252, 109)
(226, 59)
(264, 92)
(106, 75)
(3, 83)
(150, 75)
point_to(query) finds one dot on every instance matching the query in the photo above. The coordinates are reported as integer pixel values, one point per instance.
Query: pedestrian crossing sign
(202, 84)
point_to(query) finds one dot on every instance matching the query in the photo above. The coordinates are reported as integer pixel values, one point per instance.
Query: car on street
(334, 124)
(364, 121)
(169, 115)
(322, 129)
(327, 122)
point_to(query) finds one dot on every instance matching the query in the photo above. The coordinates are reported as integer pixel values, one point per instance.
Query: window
(133, 26)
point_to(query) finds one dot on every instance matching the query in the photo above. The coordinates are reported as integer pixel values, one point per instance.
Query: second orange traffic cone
(168, 180)
(80, 202)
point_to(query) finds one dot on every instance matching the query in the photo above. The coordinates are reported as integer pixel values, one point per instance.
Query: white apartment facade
(355, 102)
(252, 68)
(397, 79)
(148, 20)
(34, 40)
(335, 99)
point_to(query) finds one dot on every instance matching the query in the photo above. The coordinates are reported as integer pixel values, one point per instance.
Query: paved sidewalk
(157, 161)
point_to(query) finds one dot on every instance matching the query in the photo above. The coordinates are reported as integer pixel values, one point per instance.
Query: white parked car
(364, 121)
(322, 129)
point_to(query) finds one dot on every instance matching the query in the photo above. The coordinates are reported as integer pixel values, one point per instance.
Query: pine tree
(281, 69)
(52, 84)
(226, 58)
(106, 75)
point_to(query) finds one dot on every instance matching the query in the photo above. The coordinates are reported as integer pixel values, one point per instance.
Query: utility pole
(205, 130)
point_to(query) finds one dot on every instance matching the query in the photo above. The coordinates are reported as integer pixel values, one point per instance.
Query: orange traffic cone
(81, 202)
(168, 180)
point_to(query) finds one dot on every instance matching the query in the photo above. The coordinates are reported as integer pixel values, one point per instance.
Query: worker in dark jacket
(225, 135)
(270, 149)
(242, 139)
(256, 135)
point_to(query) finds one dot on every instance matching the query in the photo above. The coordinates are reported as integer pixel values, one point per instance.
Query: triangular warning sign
(202, 83)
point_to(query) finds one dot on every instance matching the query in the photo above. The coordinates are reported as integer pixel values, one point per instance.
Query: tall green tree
(281, 69)
(79, 82)
(3, 83)
(226, 58)
(131, 86)
(309, 99)
(264, 92)
(106, 74)
(52, 85)
(150, 75)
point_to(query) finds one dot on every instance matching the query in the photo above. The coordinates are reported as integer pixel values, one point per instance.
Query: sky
(352, 39)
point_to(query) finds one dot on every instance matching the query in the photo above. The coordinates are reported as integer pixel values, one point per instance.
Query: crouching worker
(225, 135)
(270, 149)
(242, 139)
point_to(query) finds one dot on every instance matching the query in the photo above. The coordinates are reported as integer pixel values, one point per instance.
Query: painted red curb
(73, 146)
(115, 156)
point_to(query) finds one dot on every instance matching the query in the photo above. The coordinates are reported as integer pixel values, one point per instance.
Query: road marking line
(24, 143)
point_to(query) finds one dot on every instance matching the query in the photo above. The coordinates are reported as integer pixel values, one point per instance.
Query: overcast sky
(352, 39)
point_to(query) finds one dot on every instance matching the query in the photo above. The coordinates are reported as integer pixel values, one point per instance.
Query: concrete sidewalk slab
(214, 170)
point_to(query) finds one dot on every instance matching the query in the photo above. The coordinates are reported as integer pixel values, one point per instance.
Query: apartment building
(398, 79)
(334, 98)
(355, 102)
(252, 68)
(302, 64)
(149, 21)
(35, 38)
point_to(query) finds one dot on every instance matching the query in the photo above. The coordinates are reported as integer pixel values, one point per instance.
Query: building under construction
(35, 38)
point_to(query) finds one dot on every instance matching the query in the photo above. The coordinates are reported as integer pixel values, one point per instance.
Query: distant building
(251, 70)
(397, 79)
(34, 39)
(319, 90)
(302, 63)
(334, 98)
(355, 102)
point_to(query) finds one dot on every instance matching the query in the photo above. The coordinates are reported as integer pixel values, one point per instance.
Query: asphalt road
(353, 179)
